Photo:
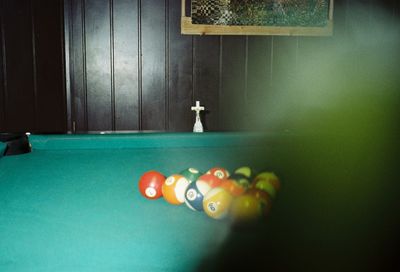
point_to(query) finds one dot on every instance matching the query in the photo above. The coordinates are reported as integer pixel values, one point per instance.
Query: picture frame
(196, 26)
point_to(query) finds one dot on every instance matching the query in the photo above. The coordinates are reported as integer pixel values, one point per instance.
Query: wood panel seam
(34, 67)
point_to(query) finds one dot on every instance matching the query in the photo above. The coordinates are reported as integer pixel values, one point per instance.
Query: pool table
(2, 149)
(73, 204)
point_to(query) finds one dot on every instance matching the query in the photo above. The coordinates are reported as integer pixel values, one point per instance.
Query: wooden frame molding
(188, 28)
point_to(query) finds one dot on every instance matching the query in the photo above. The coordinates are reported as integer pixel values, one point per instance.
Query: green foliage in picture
(261, 12)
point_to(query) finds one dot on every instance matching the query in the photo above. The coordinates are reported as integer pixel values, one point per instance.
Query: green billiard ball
(268, 182)
(191, 174)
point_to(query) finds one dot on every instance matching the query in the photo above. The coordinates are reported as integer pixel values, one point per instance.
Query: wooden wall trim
(34, 65)
(140, 63)
(3, 74)
(67, 22)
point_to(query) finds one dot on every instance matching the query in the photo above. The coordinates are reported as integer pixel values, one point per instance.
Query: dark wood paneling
(158, 73)
(78, 66)
(50, 92)
(284, 60)
(150, 75)
(32, 67)
(99, 74)
(126, 60)
(153, 25)
(396, 11)
(2, 69)
(206, 78)
(130, 69)
(282, 100)
(179, 72)
(19, 66)
(259, 78)
(233, 82)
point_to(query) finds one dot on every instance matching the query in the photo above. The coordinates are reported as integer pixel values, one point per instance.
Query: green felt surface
(79, 209)
(73, 205)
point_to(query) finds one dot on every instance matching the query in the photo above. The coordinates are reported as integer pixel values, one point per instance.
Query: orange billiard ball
(174, 189)
(150, 184)
(232, 187)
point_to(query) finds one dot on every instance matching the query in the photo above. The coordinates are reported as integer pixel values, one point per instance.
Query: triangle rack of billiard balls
(241, 196)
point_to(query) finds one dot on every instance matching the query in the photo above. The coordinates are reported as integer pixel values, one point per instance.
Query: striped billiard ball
(219, 172)
(192, 174)
(216, 203)
(195, 193)
(174, 189)
(212, 180)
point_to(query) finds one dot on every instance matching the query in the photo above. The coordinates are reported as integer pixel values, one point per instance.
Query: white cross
(198, 127)
(197, 108)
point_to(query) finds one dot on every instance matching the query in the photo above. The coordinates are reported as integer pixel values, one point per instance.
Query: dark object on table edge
(16, 143)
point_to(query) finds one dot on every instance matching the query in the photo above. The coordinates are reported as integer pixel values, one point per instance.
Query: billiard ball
(219, 172)
(232, 187)
(245, 208)
(245, 171)
(271, 177)
(192, 174)
(264, 198)
(150, 184)
(212, 180)
(241, 179)
(195, 193)
(266, 181)
(216, 203)
(174, 189)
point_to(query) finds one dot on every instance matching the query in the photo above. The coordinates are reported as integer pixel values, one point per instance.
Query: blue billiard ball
(195, 193)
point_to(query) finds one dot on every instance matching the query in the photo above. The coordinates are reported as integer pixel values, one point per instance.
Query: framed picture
(257, 17)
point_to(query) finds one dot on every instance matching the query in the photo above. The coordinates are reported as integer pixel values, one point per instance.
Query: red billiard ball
(219, 172)
(212, 180)
(150, 184)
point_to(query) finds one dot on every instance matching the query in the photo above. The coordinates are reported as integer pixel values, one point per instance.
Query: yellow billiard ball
(246, 208)
(216, 203)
